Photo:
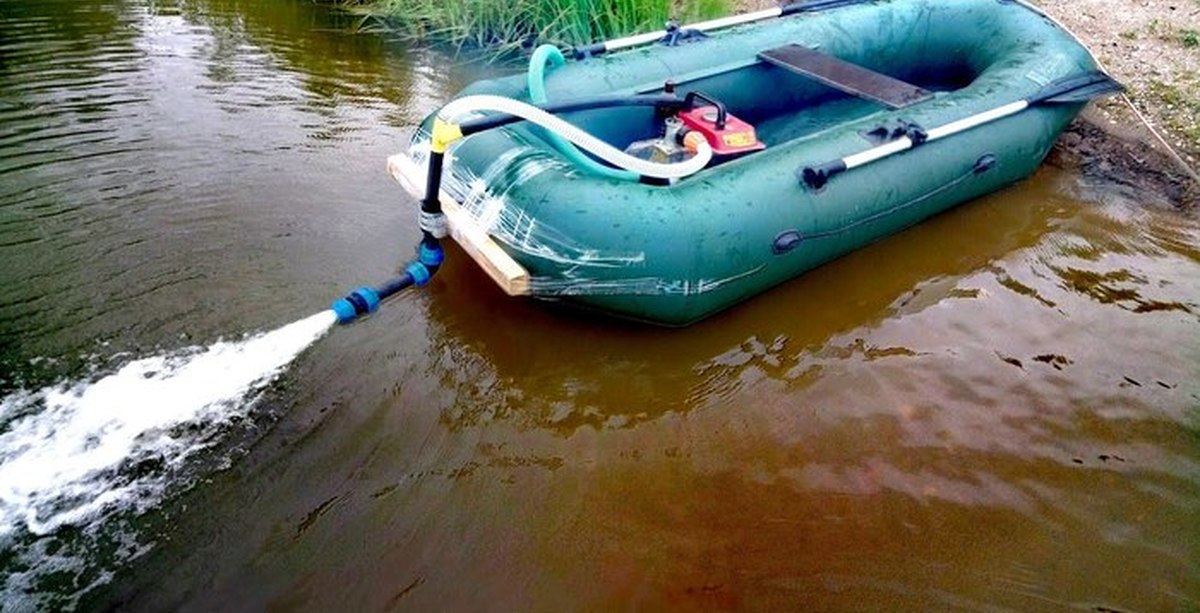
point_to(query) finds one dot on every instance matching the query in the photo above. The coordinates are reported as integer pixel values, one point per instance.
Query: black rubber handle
(815, 177)
(587, 51)
(690, 103)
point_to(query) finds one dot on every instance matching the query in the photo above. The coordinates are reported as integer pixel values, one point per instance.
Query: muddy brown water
(995, 410)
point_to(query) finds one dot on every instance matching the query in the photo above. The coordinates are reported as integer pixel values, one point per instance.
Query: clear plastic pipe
(470, 104)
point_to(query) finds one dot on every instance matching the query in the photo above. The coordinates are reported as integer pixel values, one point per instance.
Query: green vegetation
(1154, 28)
(510, 24)
(1184, 36)
(1189, 38)
(1182, 100)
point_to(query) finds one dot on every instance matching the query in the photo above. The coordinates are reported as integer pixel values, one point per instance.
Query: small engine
(728, 136)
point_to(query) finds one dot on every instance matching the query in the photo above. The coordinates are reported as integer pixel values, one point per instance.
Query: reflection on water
(995, 409)
(186, 151)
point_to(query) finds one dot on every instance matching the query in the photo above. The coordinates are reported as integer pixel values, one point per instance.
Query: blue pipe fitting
(366, 300)
(431, 256)
(419, 272)
(357, 303)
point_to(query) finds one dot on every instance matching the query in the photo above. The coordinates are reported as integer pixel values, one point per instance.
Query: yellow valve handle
(444, 134)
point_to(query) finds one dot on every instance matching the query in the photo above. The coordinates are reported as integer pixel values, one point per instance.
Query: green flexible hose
(550, 55)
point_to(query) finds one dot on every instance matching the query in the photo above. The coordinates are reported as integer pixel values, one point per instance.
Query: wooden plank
(850, 78)
(512, 278)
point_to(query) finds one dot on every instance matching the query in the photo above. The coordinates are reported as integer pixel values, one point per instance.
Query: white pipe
(962, 125)
(877, 153)
(469, 104)
(954, 127)
(703, 26)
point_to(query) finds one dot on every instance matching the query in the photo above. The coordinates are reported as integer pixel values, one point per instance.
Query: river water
(996, 410)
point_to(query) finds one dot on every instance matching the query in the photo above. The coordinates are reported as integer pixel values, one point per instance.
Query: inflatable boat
(667, 176)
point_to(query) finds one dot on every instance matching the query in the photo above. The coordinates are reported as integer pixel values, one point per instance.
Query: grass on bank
(1181, 99)
(507, 25)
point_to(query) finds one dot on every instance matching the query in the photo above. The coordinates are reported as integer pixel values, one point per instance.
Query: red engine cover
(737, 137)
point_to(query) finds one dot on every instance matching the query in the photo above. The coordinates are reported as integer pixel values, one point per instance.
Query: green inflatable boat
(667, 176)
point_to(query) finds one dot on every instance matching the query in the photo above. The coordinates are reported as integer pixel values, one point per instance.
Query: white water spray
(69, 454)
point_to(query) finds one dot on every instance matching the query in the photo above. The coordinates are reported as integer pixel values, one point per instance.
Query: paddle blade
(1078, 88)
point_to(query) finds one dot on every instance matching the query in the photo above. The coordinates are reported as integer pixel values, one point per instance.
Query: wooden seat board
(845, 76)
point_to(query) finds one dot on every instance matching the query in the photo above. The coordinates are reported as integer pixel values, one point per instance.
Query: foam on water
(71, 453)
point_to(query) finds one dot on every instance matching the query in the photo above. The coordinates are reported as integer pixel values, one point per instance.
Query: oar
(713, 24)
(1074, 89)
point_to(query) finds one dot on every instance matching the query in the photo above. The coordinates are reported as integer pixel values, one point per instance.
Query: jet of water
(71, 453)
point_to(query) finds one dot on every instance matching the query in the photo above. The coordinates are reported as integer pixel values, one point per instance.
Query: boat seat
(850, 78)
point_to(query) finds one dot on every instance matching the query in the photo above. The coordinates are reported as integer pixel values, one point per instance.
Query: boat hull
(674, 254)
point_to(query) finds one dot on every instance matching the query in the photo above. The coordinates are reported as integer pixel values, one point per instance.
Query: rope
(1183, 165)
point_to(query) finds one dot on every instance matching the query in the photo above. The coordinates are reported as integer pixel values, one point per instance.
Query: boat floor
(812, 120)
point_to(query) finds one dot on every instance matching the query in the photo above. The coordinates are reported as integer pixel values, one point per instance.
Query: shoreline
(1152, 47)
(1096, 148)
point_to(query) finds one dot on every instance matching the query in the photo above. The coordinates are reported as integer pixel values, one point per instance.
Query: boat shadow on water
(637, 372)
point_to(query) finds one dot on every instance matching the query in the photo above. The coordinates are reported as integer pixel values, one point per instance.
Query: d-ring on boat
(665, 181)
